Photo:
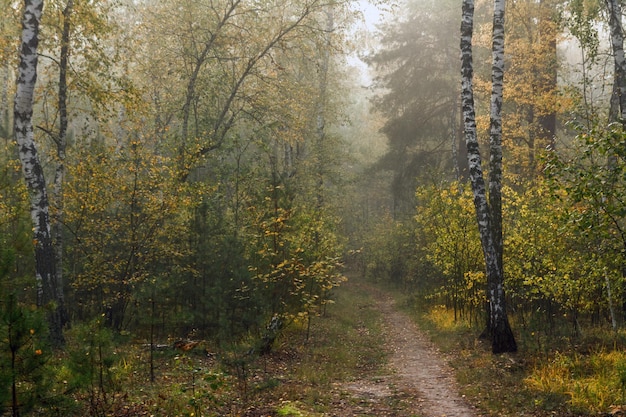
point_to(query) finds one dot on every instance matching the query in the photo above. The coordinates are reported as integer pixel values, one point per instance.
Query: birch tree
(230, 52)
(48, 292)
(488, 207)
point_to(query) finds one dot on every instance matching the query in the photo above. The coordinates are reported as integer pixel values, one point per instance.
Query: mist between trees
(207, 170)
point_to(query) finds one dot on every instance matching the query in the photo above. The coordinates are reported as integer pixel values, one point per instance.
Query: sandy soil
(418, 383)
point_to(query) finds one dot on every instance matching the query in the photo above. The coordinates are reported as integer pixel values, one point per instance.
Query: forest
(194, 193)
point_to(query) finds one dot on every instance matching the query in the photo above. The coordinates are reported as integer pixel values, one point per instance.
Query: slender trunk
(4, 100)
(501, 333)
(320, 127)
(455, 152)
(617, 43)
(190, 94)
(488, 212)
(607, 281)
(549, 80)
(495, 134)
(614, 102)
(618, 99)
(152, 347)
(61, 142)
(15, 408)
(462, 147)
(45, 266)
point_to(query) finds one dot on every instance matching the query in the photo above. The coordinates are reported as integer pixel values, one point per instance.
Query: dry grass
(299, 378)
(587, 378)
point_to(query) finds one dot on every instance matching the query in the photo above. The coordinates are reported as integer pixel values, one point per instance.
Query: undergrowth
(553, 374)
(346, 343)
(103, 376)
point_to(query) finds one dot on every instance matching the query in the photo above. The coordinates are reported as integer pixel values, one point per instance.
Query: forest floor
(415, 381)
(365, 357)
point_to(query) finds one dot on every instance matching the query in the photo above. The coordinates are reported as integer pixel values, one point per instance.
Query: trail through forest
(419, 382)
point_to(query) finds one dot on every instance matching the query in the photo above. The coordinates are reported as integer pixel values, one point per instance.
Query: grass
(345, 343)
(593, 382)
(299, 378)
(549, 376)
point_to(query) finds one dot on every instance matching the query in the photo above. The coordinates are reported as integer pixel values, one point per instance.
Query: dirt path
(419, 366)
(419, 381)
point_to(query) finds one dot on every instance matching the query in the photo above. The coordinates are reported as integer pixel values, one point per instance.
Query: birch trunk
(488, 212)
(45, 267)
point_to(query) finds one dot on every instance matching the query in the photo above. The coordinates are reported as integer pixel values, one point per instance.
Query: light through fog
(365, 34)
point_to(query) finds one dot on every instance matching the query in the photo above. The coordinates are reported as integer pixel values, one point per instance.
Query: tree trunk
(617, 110)
(45, 266)
(495, 131)
(190, 94)
(320, 125)
(459, 149)
(617, 43)
(4, 98)
(549, 81)
(488, 212)
(61, 142)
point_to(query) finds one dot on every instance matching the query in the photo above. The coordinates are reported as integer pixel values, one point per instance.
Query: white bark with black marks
(45, 267)
(488, 211)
